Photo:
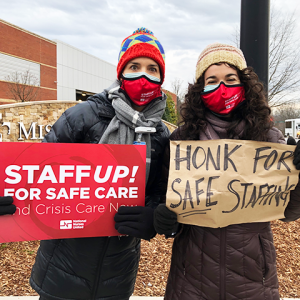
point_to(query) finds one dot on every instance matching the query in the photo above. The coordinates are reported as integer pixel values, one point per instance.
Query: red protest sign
(68, 190)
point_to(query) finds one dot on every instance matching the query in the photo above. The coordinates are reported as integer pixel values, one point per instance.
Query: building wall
(18, 118)
(30, 121)
(29, 48)
(170, 126)
(61, 68)
(78, 70)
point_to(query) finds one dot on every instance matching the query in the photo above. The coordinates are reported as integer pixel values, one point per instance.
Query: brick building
(21, 50)
(63, 71)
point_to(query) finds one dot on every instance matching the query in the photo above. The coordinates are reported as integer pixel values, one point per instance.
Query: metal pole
(254, 36)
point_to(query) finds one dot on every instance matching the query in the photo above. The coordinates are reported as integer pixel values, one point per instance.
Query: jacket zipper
(223, 264)
(184, 250)
(265, 266)
(99, 269)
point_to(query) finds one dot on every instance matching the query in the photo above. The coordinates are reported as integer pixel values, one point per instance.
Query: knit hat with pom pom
(141, 43)
(216, 53)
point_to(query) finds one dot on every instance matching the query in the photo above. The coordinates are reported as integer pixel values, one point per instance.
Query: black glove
(291, 141)
(135, 221)
(6, 206)
(165, 221)
(296, 160)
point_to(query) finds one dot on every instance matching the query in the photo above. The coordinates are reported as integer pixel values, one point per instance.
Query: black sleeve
(166, 165)
(154, 188)
(61, 131)
(292, 211)
(78, 124)
(165, 172)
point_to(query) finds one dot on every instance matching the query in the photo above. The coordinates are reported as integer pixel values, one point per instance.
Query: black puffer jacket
(101, 267)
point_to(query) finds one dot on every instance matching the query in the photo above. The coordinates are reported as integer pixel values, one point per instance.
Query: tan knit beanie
(216, 53)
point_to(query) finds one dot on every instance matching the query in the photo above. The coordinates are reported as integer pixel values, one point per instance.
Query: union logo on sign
(66, 224)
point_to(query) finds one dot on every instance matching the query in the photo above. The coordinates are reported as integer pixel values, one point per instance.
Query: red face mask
(224, 98)
(141, 90)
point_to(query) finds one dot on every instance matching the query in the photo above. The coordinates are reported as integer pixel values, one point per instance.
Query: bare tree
(176, 85)
(284, 112)
(284, 63)
(23, 87)
(178, 90)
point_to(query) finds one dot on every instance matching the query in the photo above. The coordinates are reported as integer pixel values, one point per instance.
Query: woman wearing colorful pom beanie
(237, 261)
(106, 267)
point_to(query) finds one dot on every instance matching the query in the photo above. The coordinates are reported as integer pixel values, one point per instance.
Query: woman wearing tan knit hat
(227, 101)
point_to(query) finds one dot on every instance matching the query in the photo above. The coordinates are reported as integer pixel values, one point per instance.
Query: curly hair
(254, 111)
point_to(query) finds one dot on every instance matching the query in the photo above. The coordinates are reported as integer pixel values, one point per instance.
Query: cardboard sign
(68, 190)
(221, 182)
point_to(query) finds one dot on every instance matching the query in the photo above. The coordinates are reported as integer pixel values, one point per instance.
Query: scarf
(121, 128)
(217, 128)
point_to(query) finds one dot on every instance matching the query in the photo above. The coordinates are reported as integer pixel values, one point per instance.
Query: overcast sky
(184, 27)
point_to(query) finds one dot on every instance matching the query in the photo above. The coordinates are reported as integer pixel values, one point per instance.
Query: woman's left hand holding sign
(296, 160)
(135, 221)
(6, 206)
